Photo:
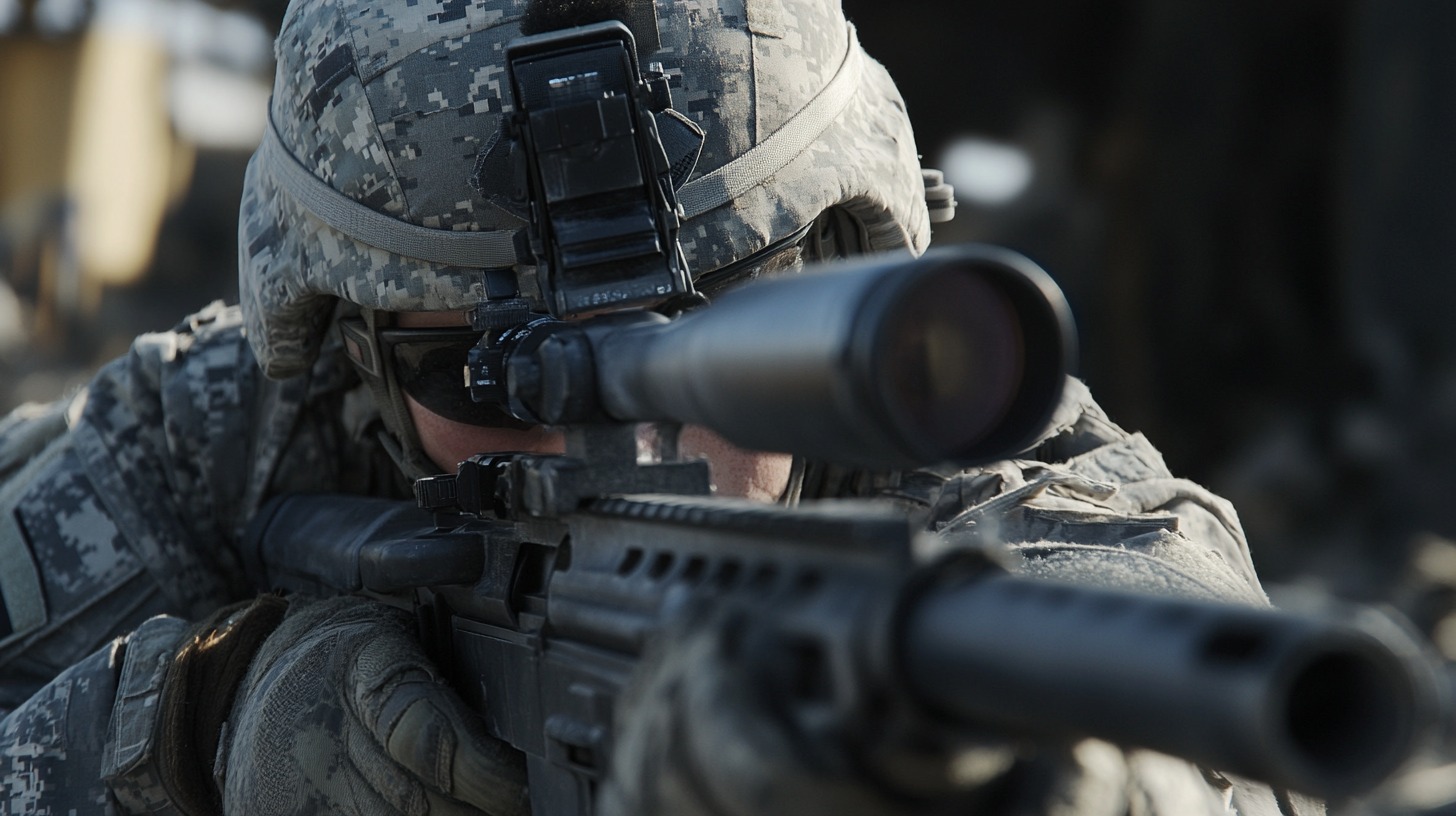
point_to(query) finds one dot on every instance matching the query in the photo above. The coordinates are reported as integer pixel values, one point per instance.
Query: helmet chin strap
(399, 438)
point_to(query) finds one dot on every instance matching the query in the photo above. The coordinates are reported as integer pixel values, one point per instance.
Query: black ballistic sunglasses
(429, 365)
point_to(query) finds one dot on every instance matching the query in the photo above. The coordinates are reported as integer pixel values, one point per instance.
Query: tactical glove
(700, 733)
(336, 710)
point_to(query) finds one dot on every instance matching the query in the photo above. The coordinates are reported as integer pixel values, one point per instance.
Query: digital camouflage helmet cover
(372, 184)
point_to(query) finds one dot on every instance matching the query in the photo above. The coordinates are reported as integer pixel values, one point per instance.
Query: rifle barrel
(1319, 706)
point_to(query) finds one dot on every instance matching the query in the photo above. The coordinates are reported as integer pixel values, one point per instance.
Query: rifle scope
(960, 355)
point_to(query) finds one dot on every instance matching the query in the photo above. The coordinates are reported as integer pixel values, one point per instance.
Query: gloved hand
(339, 712)
(703, 732)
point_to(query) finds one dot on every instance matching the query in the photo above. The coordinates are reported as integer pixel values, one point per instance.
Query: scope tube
(960, 355)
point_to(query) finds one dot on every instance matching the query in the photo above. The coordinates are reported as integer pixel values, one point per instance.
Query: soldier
(123, 507)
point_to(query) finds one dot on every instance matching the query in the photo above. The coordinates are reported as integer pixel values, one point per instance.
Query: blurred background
(1251, 205)
(125, 126)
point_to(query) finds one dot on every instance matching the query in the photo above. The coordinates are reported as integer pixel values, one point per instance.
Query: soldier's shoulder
(188, 412)
(128, 391)
(1092, 500)
(201, 383)
(212, 337)
(1079, 426)
(173, 387)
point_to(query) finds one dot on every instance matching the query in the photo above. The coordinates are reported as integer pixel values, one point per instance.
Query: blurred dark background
(1251, 208)
(1250, 205)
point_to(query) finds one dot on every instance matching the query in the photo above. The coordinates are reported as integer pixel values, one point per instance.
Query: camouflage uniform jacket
(120, 510)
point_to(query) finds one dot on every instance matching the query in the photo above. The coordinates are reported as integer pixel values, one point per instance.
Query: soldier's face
(736, 472)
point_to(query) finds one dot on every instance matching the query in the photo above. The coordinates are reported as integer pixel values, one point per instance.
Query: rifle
(541, 581)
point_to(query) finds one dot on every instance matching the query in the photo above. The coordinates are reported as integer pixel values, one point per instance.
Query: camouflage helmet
(364, 188)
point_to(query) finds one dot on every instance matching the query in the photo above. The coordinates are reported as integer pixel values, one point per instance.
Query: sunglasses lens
(432, 371)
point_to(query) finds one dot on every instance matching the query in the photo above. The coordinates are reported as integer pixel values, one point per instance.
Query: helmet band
(484, 250)
(782, 146)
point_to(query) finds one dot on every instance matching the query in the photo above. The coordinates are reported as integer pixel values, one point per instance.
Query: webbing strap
(20, 580)
(483, 249)
(783, 145)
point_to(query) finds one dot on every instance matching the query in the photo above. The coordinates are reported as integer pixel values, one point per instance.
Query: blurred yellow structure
(90, 165)
(36, 76)
(124, 168)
